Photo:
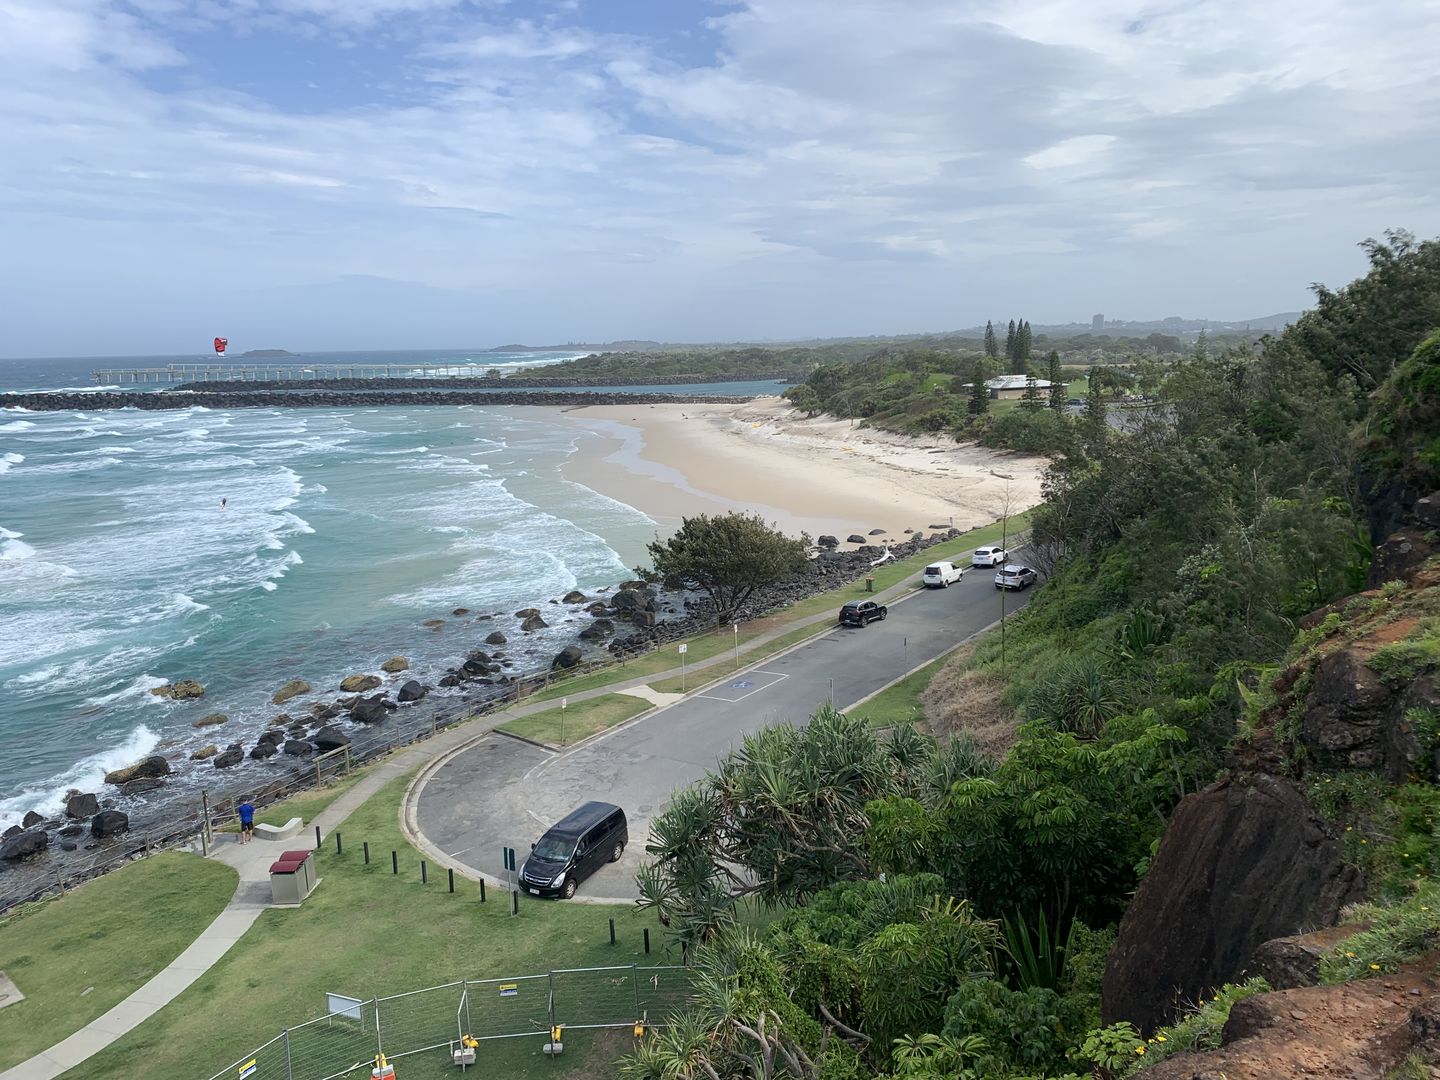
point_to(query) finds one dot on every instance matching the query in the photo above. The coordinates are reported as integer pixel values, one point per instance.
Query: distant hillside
(265, 354)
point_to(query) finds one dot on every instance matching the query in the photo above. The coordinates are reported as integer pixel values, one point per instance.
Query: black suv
(574, 848)
(860, 612)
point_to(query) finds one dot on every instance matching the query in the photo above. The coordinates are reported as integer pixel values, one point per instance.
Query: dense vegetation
(945, 914)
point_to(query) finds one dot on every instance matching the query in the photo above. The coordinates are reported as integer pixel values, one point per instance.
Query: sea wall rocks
(333, 399)
(1243, 861)
(484, 382)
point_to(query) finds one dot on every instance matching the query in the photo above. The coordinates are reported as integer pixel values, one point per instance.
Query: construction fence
(437, 1021)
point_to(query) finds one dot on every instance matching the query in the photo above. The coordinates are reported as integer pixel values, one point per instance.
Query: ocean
(342, 531)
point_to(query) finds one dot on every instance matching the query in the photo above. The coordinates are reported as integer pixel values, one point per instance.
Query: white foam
(141, 687)
(12, 547)
(48, 796)
(18, 425)
(269, 586)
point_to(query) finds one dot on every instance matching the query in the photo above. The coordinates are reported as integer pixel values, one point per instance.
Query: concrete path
(252, 861)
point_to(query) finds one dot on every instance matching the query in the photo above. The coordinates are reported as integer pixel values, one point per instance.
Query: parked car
(989, 556)
(574, 848)
(861, 612)
(1014, 577)
(939, 575)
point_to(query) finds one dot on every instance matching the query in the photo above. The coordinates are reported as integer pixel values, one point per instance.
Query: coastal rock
(450, 680)
(75, 828)
(395, 665)
(282, 720)
(459, 611)
(358, 684)
(272, 735)
(830, 543)
(293, 688)
(296, 748)
(13, 830)
(263, 750)
(140, 787)
(31, 819)
(24, 844)
(152, 766)
(574, 596)
(205, 752)
(527, 613)
(370, 711)
(324, 710)
(434, 624)
(632, 600)
(877, 532)
(82, 805)
(215, 719)
(567, 657)
(183, 690)
(597, 630)
(109, 823)
(495, 637)
(411, 691)
(599, 607)
(532, 623)
(855, 538)
(329, 738)
(228, 758)
(69, 845)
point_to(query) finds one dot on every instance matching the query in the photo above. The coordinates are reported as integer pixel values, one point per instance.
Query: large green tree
(992, 347)
(1058, 389)
(979, 392)
(728, 557)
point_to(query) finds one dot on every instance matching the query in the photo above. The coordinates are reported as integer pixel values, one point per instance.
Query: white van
(939, 575)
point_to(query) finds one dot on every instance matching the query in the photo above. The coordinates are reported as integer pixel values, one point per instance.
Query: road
(502, 792)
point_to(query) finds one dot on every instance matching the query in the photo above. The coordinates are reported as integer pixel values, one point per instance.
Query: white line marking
(777, 677)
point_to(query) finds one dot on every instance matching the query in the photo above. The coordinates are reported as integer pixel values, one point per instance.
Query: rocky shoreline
(483, 382)
(249, 398)
(368, 713)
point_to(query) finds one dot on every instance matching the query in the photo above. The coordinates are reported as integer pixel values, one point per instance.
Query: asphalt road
(504, 792)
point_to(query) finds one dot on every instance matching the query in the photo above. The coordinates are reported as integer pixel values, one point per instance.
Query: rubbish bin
(286, 882)
(869, 582)
(305, 860)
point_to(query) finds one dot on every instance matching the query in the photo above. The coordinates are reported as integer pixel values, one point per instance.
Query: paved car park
(502, 791)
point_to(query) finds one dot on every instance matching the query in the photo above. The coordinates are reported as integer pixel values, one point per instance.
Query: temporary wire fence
(441, 1020)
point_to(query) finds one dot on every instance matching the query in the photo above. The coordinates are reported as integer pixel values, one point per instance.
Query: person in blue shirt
(247, 821)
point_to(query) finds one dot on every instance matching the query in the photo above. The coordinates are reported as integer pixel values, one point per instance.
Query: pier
(175, 374)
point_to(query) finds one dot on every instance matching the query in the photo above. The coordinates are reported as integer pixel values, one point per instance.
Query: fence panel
(266, 1062)
(500, 1008)
(419, 1020)
(333, 1045)
(662, 991)
(597, 997)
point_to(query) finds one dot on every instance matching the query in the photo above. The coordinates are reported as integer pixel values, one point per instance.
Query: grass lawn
(900, 704)
(304, 805)
(365, 932)
(561, 727)
(78, 955)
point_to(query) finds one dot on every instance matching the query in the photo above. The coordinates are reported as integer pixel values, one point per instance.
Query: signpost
(563, 703)
(736, 628)
(683, 649)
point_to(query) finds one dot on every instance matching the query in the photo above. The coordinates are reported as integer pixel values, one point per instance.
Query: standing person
(247, 821)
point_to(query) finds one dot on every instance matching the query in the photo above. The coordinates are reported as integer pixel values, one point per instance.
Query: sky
(351, 174)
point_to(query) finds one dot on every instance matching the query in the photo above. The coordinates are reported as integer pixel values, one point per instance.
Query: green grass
(304, 805)
(111, 934)
(364, 933)
(900, 704)
(561, 727)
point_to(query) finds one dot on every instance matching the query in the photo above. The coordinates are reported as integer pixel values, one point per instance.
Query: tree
(979, 392)
(1094, 431)
(1058, 388)
(1032, 400)
(728, 557)
(1023, 341)
(992, 347)
(804, 398)
(1010, 341)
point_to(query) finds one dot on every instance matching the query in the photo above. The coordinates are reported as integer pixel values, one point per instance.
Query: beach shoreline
(814, 475)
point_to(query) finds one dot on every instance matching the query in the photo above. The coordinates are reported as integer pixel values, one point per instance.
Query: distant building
(1010, 387)
(1097, 322)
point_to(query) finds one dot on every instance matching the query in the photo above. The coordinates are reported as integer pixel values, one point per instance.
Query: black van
(574, 848)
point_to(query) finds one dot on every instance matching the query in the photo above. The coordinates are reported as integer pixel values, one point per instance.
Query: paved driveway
(503, 792)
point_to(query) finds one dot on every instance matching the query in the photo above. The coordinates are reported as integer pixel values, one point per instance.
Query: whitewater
(342, 533)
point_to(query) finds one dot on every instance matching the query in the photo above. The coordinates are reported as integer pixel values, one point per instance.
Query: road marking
(460, 852)
(775, 679)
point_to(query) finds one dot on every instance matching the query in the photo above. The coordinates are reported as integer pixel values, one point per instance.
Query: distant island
(613, 346)
(265, 354)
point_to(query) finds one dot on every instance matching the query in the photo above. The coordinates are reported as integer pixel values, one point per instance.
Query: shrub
(1200, 1029)
(1398, 934)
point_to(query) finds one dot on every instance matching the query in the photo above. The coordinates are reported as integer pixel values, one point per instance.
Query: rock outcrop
(495, 637)
(598, 630)
(183, 690)
(205, 752)
(567, 657)
(411, 691)
(293, 688)
(109, 823)
(228, 758)
(395, 665)
(23, 844)
(215, 719)
(358, 684)
(370, 711)
(151, 767)
(1243, 861)
(82, 805)
(329, 738)
(533, 623)
(32, 819)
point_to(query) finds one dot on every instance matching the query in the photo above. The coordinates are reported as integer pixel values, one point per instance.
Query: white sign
(684, 649)
(340, 1005)
(736, 628)
(564, 702)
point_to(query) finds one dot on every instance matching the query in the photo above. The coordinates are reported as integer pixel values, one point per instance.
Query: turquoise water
(343, 531)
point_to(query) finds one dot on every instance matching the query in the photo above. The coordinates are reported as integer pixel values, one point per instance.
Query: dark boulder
(23, 844)
(293, 688)
(31, 819)
(272, 735)
(297, 748)
(263, 750)
(109, 823)
(599, 607)
(329, 738)
(140, 787)
(829, 543)
(215, 719)
(532, 623)
(183, 690)
(1400, 555)
(567, 657)
(1241, 863)
(597, 630)
(495, 637)
(877, 532)
(152, 766)
(574, 596)
(358, 684)
(205, 752)
(75, 828)
(633, 600)
(450, 680)
(69, 845)
(370, 711)
(324, 710)
(411, 691)
(477, 663)
(855, 538)
(228, 758)
(13, 830)
(1288, 962)
(527, 612)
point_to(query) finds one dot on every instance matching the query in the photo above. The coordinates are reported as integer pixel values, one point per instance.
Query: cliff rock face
(1241, 863)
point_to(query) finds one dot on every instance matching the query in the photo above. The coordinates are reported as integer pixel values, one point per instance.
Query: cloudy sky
(413, 173)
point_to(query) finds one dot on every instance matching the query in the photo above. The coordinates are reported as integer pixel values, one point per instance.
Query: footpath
(252, 861)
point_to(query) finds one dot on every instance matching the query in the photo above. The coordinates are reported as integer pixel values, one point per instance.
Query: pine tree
(979, 392)
(1033, 400)
(1010, 342)
(1022, 340)
(992, 347)
(1057, 384)
(1095, 432)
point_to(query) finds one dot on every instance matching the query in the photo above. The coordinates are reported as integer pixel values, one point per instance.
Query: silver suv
(1014, 577)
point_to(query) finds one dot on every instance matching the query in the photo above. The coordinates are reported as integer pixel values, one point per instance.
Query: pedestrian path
(252, 861)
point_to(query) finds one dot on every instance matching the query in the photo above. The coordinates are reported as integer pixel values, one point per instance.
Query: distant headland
(265, 354)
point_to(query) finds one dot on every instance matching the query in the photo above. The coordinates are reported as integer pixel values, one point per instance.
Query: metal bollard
(366, 846)
(482, 890)
(317, 837)
(612, 931)
(515, 902)
(394, 861)
(424, 877)
(338, 849)
(647, 941)
(450, 871)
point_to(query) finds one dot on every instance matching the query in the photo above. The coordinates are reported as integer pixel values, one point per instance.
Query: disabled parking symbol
(741, 684)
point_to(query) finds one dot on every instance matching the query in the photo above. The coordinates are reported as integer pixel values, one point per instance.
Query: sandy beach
(820, 475)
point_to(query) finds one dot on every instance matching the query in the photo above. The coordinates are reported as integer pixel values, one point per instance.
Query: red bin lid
(298, 854)
(283, 867)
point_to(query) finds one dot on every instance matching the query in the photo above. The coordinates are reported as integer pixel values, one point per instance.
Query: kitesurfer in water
(223, 501)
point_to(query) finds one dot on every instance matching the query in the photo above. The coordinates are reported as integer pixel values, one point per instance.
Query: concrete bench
(279, 832)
